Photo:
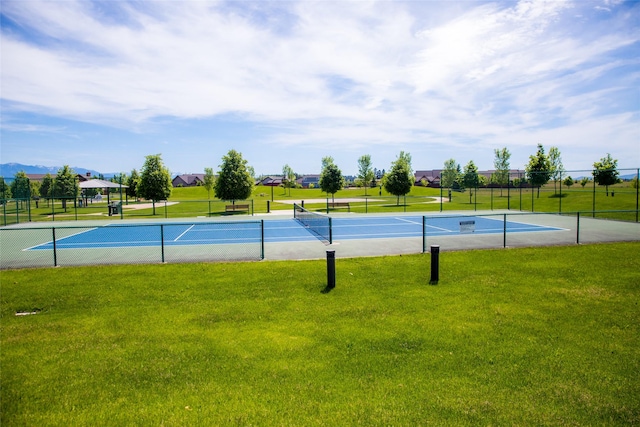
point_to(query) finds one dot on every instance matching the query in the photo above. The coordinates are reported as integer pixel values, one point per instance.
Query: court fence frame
(21, 199)
(44, 245)
(24, 246)
(578, 215)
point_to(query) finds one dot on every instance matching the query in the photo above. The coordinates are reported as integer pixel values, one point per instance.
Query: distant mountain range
(9, 170)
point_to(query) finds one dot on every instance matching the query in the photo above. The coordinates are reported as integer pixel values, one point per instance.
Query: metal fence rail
(22, 247)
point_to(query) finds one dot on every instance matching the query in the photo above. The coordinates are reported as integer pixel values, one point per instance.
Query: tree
(556, 169)
(209, 180)
(539, 169)
(605, 172)
(502, 167)
(568, 181)
(470, 177)
(365, 172)
(46, 187)
(65, 185)
(584, 181)
(331, 179)
(155, 180)
(132, 184)
(20, 187)
(400, 179)
(450, 174)
(288, 177)
(234, 179)
(5, 190)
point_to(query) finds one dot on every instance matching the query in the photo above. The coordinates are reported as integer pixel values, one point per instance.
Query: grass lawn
(540, 336)
(195, 202)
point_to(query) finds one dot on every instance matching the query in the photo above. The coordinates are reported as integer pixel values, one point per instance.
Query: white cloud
(342, 73)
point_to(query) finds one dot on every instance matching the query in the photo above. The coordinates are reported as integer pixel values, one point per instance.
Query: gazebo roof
(100, 183)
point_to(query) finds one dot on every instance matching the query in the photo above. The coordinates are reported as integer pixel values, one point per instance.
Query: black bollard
(331, 269)
(435, 264)
(268, 207)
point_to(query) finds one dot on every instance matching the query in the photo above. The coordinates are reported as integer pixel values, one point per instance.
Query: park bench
(338, 205)
(236, 208)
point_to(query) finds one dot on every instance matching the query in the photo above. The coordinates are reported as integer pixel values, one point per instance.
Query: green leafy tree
(155, 180)
(65, 185)
(502, 167)
(365, 171)
(538, 169)
(288, 177)
(634, 182)
(584, 181)
(470, 177)
(132, 184)
(450, 174)
(35, 189)
(568, 181)
(605, 172)
(209, 180)
(234, 179)
(46, 187)
(5, 190)
(556, 166)
(21, 187)
(331, 179)
(400, 179)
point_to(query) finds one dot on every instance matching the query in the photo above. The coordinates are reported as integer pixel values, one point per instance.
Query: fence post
(55, 254)
(262, 237)
(162, 241)
(504, 231)
(594, 196)
(424, 233)
(331, 269)
(435, 264)
(578, 228)
(637, 191)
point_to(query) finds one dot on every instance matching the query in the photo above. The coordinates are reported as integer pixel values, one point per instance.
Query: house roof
(190, 178)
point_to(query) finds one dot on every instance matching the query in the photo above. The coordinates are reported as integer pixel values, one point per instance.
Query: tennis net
(317, 223)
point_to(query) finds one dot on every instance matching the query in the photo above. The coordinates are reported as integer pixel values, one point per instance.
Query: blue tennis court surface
(284, 230)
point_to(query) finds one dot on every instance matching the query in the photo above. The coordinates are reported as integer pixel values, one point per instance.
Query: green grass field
(195, 201)
(544, 336)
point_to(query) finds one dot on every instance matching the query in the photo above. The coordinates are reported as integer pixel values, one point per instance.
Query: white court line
(50, 242)
(184, 232)
(427, 225)
(406, 220)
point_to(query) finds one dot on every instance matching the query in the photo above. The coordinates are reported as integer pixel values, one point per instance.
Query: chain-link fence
(131, 243)
(23, 246)
(23, 200)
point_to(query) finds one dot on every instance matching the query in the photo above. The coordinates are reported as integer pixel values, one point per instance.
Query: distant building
(188, 180)
(428, 178)
(307, 180)
(433, 177)
(270, 181)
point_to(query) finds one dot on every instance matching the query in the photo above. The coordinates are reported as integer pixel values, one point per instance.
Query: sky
(102, 84)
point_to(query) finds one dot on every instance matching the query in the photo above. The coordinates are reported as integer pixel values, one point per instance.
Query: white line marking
(406, 220)
(183, 233)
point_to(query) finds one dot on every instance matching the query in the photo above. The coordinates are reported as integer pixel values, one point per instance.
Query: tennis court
(284, 230)
(306, 236)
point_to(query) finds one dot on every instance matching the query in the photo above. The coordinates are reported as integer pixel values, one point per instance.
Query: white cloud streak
(342, 73)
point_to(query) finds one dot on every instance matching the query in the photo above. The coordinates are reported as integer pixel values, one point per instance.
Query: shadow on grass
(327, 289)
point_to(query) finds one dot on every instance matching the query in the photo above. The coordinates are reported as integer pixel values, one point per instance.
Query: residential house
(188, 180)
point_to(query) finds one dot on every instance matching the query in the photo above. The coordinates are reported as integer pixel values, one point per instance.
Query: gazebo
(101, 183)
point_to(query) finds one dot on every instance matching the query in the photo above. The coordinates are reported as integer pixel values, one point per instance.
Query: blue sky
(102, 84)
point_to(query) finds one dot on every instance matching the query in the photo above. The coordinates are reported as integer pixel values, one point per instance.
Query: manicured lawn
(543, 336)
(195, 202)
